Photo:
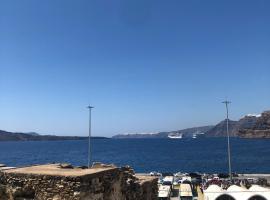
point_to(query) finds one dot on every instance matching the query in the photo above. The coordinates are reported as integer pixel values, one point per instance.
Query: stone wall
(111, 184)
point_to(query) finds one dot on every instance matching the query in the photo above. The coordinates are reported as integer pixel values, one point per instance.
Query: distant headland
(11, 136)
(250, 126)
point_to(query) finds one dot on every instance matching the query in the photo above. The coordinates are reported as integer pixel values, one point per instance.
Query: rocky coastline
(261, 128)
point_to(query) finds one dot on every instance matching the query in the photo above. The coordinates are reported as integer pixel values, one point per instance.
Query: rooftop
(56, 170)
(143, 178)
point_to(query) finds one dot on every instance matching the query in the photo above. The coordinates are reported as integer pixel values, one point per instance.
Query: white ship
(175, 135)
(197, 134)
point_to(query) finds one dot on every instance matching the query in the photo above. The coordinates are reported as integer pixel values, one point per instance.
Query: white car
(178, 174)
(168, 180)
(164, 192)
(155, 174)
(185, 192)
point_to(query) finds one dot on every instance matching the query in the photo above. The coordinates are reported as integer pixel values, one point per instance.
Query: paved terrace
(57, 170)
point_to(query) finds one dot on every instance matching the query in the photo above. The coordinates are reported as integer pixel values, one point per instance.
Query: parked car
(155, 174)
(164, 192)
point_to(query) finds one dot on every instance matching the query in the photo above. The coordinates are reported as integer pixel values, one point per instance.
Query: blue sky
(146, 66)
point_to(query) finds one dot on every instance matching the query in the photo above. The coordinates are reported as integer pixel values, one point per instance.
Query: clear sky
(146, 66)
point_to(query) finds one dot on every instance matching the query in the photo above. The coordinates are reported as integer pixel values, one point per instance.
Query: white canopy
(238, 193)
(257, 190)
(212, 192)
(214, 188)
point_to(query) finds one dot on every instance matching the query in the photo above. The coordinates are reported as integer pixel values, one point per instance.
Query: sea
(204, 155)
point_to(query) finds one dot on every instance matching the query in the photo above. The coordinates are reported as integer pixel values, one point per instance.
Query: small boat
(197, 134)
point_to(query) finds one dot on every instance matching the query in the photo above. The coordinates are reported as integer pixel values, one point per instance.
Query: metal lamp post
(89, 137)
(228, 139)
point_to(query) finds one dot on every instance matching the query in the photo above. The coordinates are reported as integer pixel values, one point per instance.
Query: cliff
(261, 129)
(220, 130)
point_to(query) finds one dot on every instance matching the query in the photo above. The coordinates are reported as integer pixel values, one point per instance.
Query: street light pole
(228, 138)
(89, 137)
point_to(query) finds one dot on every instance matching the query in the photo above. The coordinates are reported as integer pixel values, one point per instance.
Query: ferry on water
(175, 135)
(198, 135)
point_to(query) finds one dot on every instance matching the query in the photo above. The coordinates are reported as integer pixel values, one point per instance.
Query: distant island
(250, 126)
(10, 136)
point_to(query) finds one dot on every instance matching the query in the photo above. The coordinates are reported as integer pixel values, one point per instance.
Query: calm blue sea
(145, 155)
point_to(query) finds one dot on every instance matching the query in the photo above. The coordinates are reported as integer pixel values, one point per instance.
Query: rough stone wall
(149, 189)
(112, 184)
